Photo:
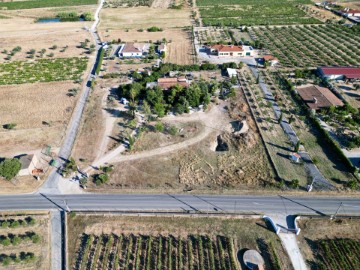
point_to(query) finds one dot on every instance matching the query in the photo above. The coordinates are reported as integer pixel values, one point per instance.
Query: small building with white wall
(28, 164)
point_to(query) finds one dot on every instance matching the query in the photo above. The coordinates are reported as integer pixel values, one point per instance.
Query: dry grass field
(41, 250)
(20, 184)
(143, 17)
(21, 30)
(243, 234)
(30, 106)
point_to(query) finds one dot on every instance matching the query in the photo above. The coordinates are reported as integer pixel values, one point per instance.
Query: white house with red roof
(230, 50)
(340, 73)
(134, 49)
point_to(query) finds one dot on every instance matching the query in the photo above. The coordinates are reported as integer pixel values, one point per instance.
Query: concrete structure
(253, 260)
(28, 164)
(133, 50)
(317, 97)
(230, 50)
(339, 73)
(231, 72)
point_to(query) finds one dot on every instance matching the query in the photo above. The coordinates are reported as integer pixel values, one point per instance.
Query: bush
(294, 183)
(9, 168)
(35, 238)
(159, 127)
(101, 178)
(353, 184)
(9, 126)
(154, 29)
(173, 130)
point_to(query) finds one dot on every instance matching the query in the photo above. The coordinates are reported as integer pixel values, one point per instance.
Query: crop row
(12, 239)
(155, 252)
(42, 70)
(339, 254)
(12, 223)
(44, 3)
(259, 12)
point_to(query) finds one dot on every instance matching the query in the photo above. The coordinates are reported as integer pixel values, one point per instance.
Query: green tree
(257, 79)
(9, 168)
(297, 146)
(147, 110)
(280, 118)
(352, 184)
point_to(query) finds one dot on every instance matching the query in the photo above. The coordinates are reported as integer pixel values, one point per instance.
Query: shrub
(173, 130)
(294, 183)
(154, 29)
(352, 184)
(35, 238)
(9, 126)
(159, 127)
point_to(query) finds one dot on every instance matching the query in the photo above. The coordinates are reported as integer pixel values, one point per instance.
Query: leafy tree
(280, 118)
(352, 184)
(9, 168)
(101, 178)
(131, 140)
(173, 130)
(146, 109)
(297, 146)
(35, 238)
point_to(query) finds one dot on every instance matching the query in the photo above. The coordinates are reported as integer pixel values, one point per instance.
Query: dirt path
(109, 119)
(213, 120)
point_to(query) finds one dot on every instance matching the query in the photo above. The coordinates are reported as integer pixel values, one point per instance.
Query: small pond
(54, 20)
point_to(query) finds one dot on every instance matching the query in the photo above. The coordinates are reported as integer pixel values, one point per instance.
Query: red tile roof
(269, 57)
(349, 72)
(227, 48)
(350, 11)
(317, 97)
(166, 83)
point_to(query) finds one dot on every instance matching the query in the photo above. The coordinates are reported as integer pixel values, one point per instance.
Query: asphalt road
(194, 203)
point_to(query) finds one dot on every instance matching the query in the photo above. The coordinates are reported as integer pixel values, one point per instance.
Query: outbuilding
(28, 164)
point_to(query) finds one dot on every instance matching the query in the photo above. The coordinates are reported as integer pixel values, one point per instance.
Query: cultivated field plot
(43, 3)
(247, 12)
(320, 45)
(40, 112)
(127, 3)
(168, 243)
(24, 241)
(208, 35)
(327, 244)
(42, 70)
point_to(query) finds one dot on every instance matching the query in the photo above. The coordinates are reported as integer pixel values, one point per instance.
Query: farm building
(28, 164)
(348, 12)
(231, 72)
(167, 83)
(295, 157)
(161, 48)
(272, 60)
(134, 49)
(317, 97)
(229, 50)
(339, 73)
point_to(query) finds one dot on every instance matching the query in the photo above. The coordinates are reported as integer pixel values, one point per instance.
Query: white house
(161, 48)
(134, 49)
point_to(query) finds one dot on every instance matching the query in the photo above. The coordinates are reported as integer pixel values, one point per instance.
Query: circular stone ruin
(253, 260)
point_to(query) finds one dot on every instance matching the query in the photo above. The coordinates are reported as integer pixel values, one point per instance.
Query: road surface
(52, 183)
(271, 205)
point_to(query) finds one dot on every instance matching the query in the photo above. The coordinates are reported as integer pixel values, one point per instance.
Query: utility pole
(337, 210)
(67, 207)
